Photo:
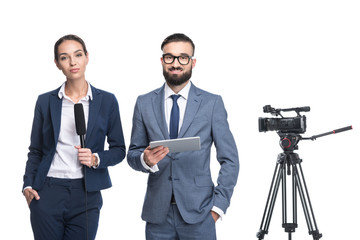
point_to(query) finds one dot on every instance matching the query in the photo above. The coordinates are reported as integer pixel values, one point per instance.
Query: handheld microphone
(80, 122)
(81, 131)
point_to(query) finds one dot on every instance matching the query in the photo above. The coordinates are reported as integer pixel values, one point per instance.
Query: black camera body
(284, 124)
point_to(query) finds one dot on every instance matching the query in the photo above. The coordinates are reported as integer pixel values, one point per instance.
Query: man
(181, 201)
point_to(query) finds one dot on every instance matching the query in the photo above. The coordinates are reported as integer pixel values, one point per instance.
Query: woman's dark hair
(68, 37)
(178, 37)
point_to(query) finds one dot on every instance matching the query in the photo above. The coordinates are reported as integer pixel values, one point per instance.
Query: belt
(65, 182)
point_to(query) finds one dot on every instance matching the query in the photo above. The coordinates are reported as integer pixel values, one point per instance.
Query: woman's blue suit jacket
(103, 121)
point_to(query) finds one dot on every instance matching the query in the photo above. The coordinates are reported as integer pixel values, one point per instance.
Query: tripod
(289, 163)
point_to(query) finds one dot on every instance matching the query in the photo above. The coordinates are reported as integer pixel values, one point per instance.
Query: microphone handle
(82, 144)
(82, 141)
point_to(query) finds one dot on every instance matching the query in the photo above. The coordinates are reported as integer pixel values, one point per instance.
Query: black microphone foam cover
(79, 119)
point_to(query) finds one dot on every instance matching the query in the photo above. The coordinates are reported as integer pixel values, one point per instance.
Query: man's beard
(176, 79)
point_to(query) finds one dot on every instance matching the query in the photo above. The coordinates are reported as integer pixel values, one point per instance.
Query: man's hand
(155, 155)
(215, 215)
(30, 194)
(85, 156)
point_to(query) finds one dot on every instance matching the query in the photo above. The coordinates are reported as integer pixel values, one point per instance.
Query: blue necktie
(174, 118)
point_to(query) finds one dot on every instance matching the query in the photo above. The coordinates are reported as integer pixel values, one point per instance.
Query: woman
(62, 181)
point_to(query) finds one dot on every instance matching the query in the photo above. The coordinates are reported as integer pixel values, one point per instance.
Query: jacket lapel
(159, 112)
(55, 112)
(94, 108)
(192, 106)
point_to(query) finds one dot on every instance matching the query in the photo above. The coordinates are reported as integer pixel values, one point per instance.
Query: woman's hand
(30, 194)
(85, 156)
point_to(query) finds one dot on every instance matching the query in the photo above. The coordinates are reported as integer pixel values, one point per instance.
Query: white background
(253, 53)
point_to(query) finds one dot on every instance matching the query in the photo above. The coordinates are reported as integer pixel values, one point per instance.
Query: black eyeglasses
(183, 60)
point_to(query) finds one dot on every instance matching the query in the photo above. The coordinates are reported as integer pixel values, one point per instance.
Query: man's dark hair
(178, 37)
(68, 37)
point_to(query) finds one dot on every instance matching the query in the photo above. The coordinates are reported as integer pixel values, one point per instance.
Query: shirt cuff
(218, 211)
(152, 169)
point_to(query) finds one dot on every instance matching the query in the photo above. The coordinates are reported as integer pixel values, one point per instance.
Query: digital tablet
(179, 144)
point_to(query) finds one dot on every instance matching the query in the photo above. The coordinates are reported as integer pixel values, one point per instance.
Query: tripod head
(288, 141)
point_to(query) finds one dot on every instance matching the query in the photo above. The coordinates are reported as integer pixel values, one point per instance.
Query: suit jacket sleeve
(35, 149)
(139, 139)
(115, 139)
(227, 156)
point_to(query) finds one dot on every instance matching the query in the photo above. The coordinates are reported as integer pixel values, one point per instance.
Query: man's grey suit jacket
(186, 174)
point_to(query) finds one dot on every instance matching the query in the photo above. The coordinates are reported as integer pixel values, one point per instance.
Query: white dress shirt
(182, 100)
(65, 163)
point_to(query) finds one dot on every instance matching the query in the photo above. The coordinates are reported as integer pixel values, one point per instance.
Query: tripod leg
(305, 201)
(284, 197)
(270, 202)
(289, 227)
